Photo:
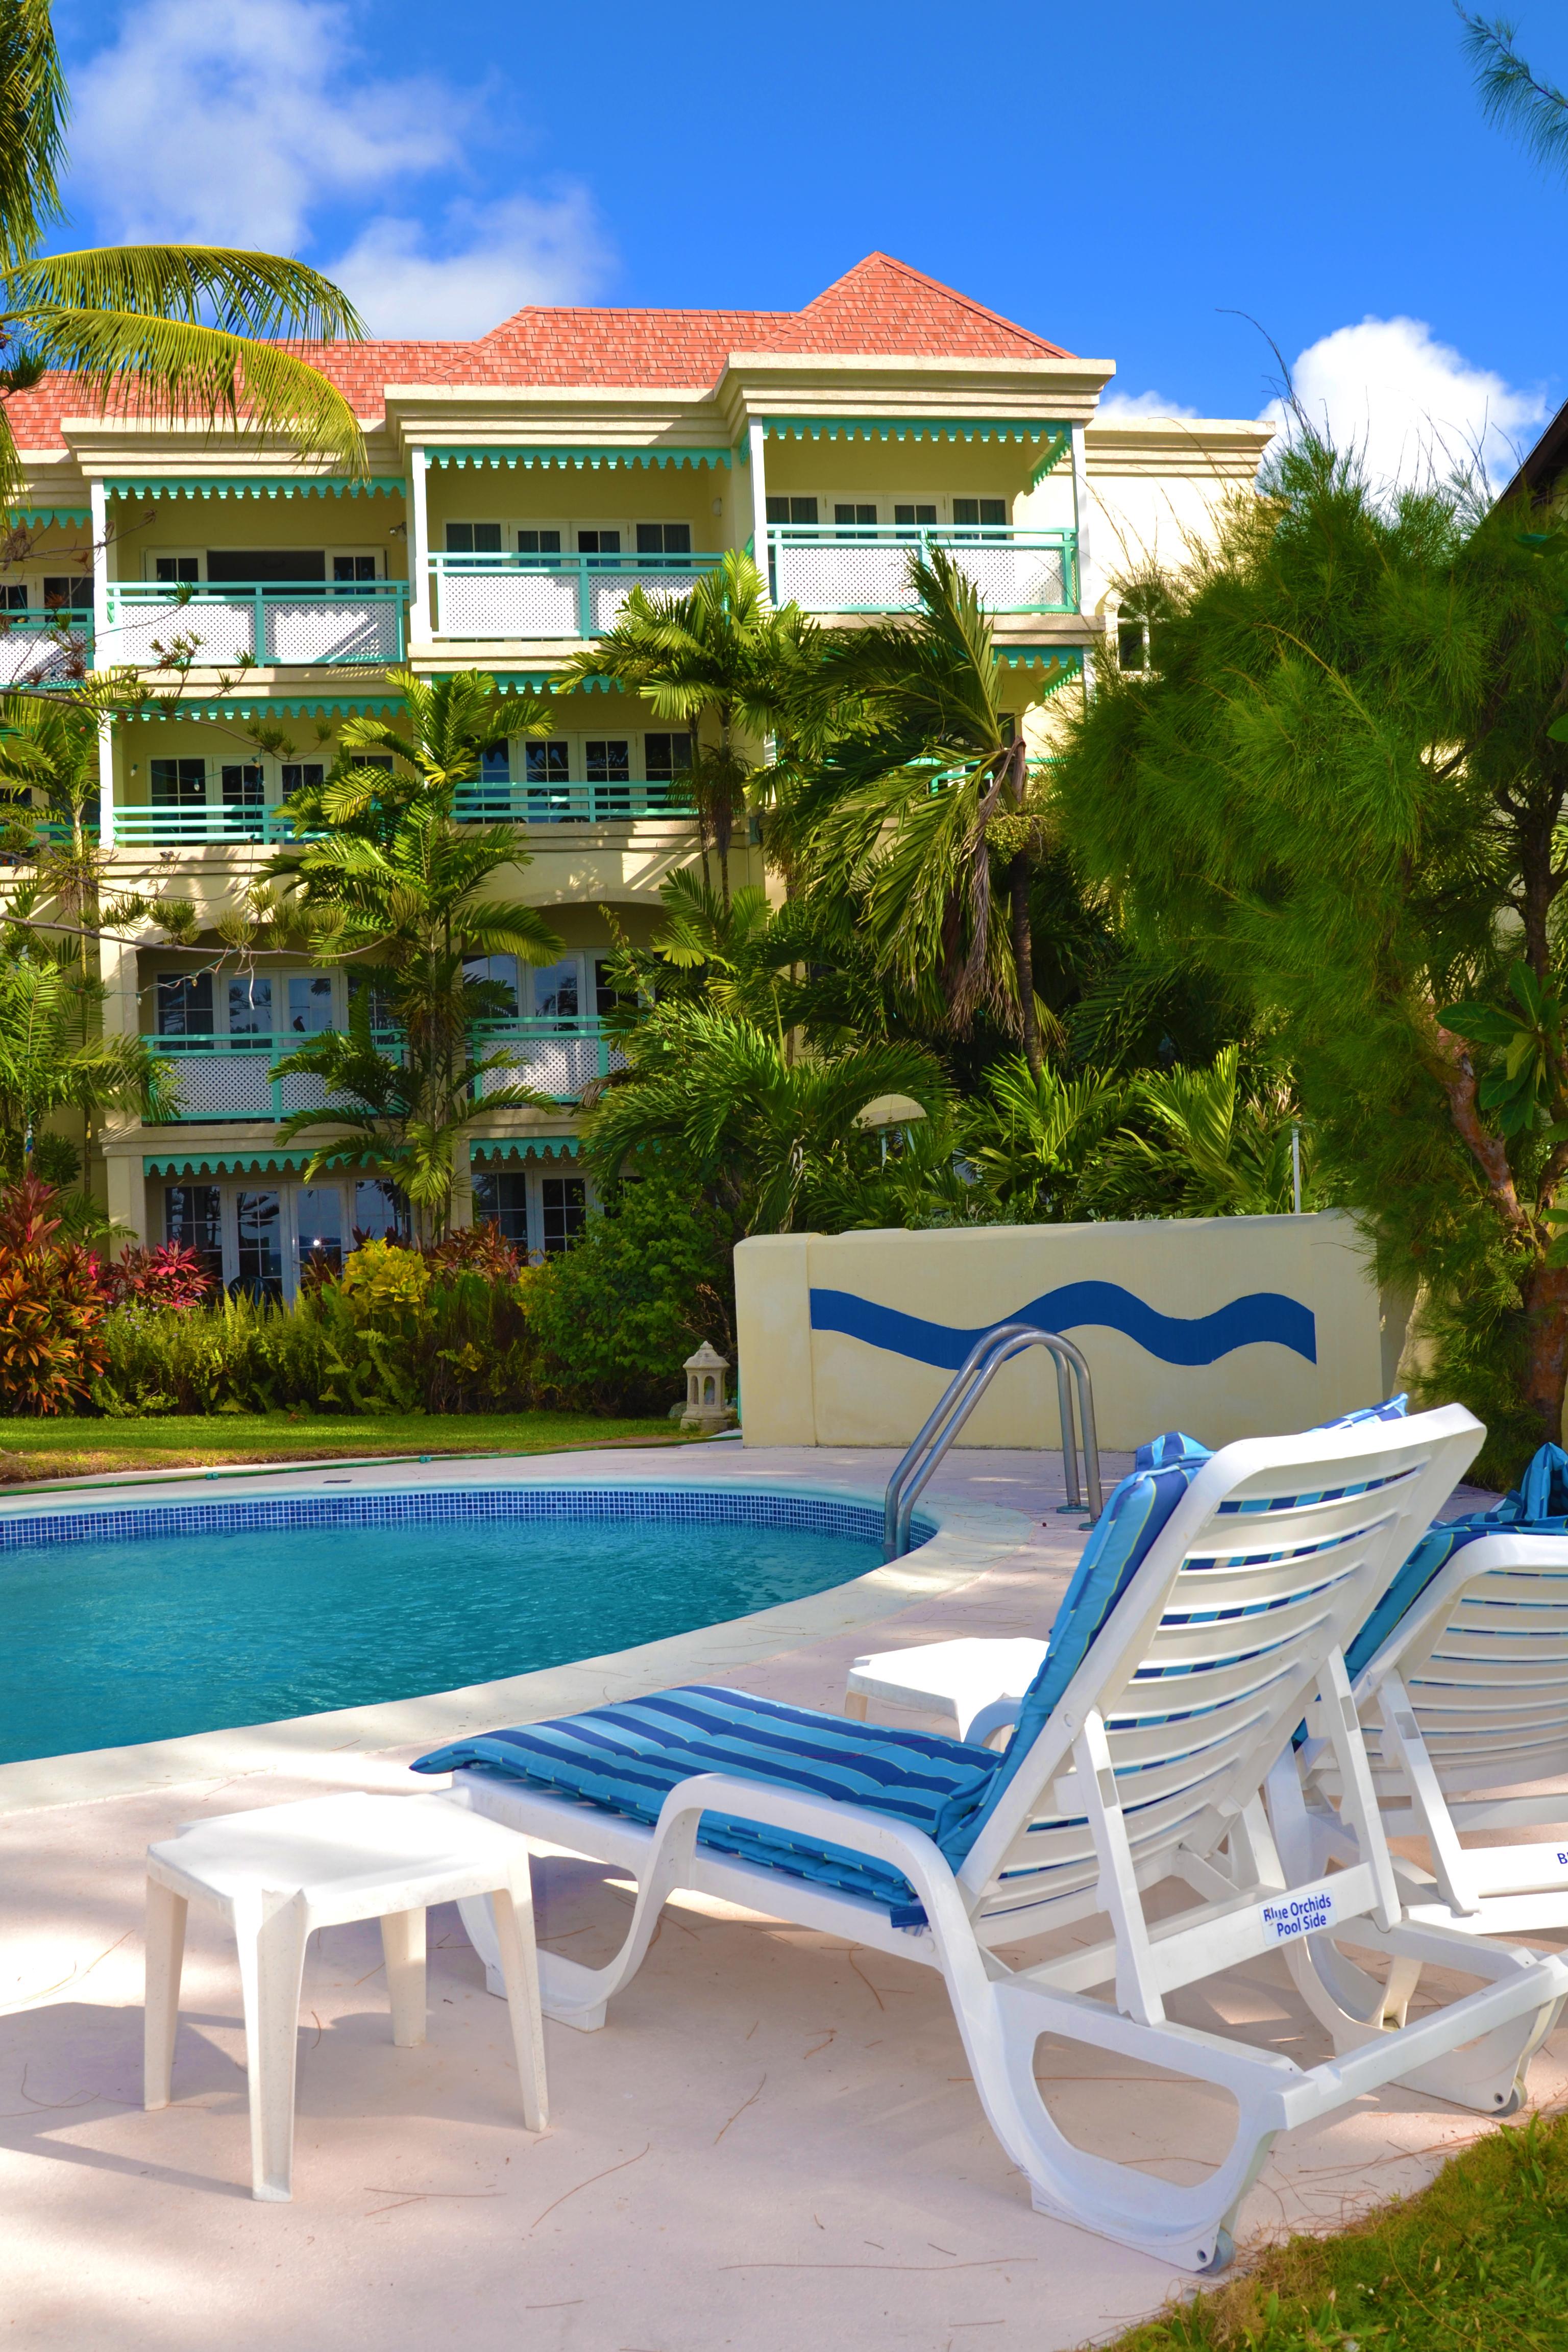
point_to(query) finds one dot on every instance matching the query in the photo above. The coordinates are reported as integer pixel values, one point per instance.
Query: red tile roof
(881, 308)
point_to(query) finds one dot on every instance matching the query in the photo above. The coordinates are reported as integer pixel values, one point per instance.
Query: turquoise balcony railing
(616, 802)
(545, 596)
(865, 567)
(44, 648)
(237, 1077)
(225, 624)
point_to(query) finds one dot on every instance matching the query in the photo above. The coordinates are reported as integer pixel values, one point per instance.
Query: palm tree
(396, 891)
(721, 658)
(1035, 1132)
(48, 1063)
(767, 1132)
(925, 794)
(179, 330)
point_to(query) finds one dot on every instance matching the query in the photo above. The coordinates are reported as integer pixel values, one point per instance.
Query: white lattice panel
(560, 1065)
(329, 629)
(873, 575)
(221, 631)
(1014, 579)
(507, 603)
(607, 592)
(38, 657)
(225, 1086)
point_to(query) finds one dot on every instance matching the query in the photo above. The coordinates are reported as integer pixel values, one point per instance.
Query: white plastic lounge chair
(1464, 1694)
(1139, 1759)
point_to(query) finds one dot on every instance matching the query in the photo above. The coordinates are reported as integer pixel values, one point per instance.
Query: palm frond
(247, 293)
(33, 105)
(178, 368)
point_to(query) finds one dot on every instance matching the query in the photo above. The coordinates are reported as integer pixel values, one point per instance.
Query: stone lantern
(706, 1407)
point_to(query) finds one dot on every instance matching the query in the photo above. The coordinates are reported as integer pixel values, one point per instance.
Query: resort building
(520, 486)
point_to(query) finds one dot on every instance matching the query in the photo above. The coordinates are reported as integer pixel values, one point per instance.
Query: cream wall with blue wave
(1225, 1326)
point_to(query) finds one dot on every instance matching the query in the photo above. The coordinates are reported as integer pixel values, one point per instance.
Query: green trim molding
(39, 517)
(1066, 661)
(270, 706)
(565, 455)
(225, 1163)
(254, 486)
(540, 681)
(529, 1147)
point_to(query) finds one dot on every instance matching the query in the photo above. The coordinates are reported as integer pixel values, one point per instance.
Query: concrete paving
(773, 2144)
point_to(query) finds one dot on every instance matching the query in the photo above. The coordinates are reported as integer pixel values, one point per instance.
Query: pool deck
(773, 2144)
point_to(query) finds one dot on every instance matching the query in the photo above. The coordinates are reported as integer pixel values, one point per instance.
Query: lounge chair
(1173, 1686)
(1460, 1681)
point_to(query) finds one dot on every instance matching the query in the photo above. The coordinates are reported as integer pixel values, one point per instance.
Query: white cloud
(1412, 405)
(1134, 407)
(249, 121)
(489, 261)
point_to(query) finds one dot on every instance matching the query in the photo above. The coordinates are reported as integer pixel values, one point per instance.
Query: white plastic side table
(977, 1681)
(279, 1874)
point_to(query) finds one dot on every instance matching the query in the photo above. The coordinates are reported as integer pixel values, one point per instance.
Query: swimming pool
(143, 1622)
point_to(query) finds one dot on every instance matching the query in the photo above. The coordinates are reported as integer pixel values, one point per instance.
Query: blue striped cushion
(628, 1758)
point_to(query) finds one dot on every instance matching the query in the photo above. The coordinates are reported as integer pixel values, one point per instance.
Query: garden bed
(61, 1448)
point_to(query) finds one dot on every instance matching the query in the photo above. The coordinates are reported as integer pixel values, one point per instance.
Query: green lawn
(1478, 2262)
(70, 1449)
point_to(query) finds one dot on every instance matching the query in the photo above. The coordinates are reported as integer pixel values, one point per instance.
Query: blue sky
(1124, 181)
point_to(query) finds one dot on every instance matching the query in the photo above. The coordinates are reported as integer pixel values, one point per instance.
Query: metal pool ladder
(969, 1384)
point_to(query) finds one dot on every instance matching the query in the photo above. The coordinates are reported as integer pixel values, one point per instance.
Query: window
(242, 786)
(598, 543)
(606, 995)
(383, 1014)
(251, 1007)
(912, 513)
(258, 1220)
(347, 569)
(503, 1201)
(184, 1004)
(177, 570)
(249, 567)
(564, 1203)
(68, 591)
(793, 510)
(498, 975)
(1132, 642)
(318, 1227)
(664, 538)
(192, 1220)
(311, 1004)
(852, 511)
(547, 768)
(666, 757)
(539, 542)
(494, 790)
(14, 596)
(609, 762)
(985, 511)
(473, 539)
(179, 784)
(304, 775)
(555, 991)
(381, 1212)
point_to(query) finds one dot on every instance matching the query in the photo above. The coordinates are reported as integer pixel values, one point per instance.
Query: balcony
(865, 567)
(236, 1077)
(549, 596)
(44, 648)
(620, 802)
(274, 628)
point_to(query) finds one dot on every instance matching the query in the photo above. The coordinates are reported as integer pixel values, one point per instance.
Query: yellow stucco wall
(805, 1386)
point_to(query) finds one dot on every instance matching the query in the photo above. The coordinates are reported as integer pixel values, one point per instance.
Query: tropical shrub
(166, 1276)
(51, 1307)
(616, 1317)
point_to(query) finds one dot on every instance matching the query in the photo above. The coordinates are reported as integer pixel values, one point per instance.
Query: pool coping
(970, 1539)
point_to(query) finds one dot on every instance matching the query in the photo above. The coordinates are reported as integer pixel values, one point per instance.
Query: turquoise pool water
(145, 1623)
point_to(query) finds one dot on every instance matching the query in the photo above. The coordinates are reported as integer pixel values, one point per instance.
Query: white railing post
(760, 506)
(1079, 514)
(419, 627)
(105, 785)
(99, 496)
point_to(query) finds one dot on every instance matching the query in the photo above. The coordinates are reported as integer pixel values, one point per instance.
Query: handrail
(969, 1384)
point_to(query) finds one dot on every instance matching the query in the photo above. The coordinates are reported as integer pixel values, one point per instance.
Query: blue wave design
(1263, 1316)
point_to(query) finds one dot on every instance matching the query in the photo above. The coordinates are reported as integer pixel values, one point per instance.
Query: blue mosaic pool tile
(706, 1507)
